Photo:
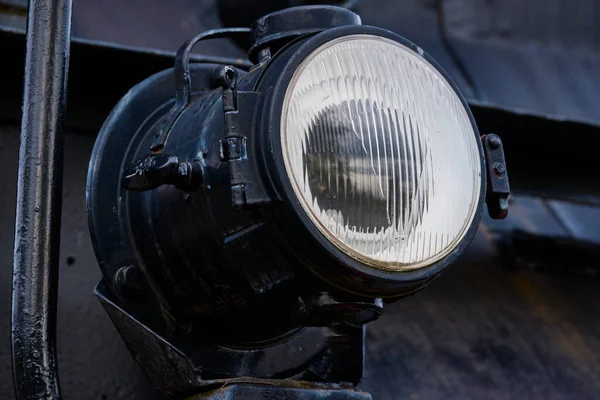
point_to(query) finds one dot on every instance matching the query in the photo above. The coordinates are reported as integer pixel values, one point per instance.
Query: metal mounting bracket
(498, 189)
(240, 109)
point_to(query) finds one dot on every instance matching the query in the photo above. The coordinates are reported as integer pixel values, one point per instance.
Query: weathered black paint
(183, 84)
(274, 30)
(155, 170)
(39, 198)
(475, 333)
(214, 283)
(478, 331)
(498, 189)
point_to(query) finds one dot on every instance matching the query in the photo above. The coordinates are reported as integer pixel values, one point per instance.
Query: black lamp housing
(208, 258)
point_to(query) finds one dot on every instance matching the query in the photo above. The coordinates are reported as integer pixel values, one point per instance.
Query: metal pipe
(37, 230)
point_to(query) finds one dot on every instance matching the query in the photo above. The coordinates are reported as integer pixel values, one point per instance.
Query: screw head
(128, 279)
(499, 169)
(494, 142)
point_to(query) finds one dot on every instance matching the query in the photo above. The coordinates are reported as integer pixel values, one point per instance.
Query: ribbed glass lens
(381, 152)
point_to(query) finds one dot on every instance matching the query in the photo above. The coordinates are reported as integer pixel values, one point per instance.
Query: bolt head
(128, 279)
(499, 169)
(494, 142)
(227, 77)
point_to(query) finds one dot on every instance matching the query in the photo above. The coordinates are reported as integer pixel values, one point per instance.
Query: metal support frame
(273, 391)
(38, 214)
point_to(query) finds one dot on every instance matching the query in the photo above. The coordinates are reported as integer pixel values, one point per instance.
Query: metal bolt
(499, 168)
(226, 77)
(494, 142)
(264, 55)
(156, 170)
(129, 279)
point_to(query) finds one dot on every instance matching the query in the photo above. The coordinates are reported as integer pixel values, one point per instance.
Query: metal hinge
(498, 189)
(236, 149)
(233, 148)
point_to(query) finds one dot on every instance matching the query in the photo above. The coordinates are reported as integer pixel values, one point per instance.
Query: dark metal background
(478, 331)
(490, 327)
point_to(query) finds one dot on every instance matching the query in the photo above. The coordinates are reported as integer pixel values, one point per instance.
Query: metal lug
(156, 170)
(498, 188)
(326, 309)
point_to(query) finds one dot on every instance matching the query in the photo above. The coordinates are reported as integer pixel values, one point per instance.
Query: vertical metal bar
(37, 231)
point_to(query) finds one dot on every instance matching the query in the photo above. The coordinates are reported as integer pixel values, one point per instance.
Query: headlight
(347, 152)
(342, 168)
(381, 152)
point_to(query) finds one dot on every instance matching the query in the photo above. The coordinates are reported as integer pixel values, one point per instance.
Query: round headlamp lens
(381, 152)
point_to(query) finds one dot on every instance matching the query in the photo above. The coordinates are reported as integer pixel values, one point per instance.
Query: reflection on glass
(381, 152)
